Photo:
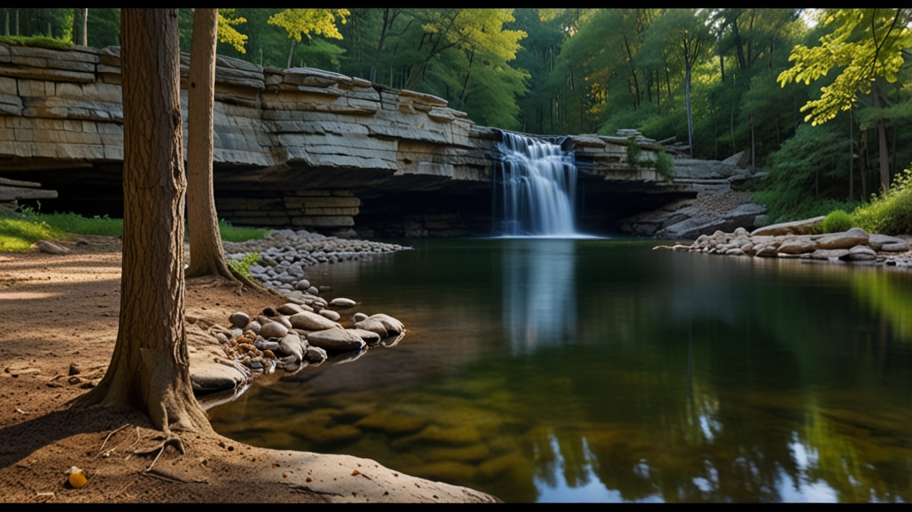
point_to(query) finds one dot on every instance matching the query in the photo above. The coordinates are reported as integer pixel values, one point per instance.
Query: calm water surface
(600, 370)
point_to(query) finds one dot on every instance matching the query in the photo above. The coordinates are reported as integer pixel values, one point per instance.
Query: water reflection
(546, 370)
(539, 293)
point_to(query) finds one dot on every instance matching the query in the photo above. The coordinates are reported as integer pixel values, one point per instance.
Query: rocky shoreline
(307, 330)
(797, 240)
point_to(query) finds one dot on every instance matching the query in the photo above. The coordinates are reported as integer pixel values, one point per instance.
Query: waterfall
(538, 182)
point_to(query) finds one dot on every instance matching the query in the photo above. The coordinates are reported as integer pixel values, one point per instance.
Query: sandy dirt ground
(58, 325)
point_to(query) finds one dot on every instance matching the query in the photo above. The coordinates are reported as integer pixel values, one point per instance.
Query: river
(557, 370)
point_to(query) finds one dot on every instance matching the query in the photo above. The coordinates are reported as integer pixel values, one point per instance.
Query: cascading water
(538, 182)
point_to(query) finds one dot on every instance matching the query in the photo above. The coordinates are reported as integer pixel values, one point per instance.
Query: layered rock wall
(295, 147)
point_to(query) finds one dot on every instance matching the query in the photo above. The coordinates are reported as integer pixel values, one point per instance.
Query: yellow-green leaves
(303, 22)
(227, 32)
(866, 43)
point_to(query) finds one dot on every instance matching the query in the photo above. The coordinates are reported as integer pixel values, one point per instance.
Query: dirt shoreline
(59, 316)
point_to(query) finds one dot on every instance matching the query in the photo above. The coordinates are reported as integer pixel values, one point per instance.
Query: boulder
(901, 246)
(798, 246)
(315, 355)
(330, 314)
(342, 302)
(290, 309)
(49, 247)
(876, 241)
(369, 337)
(208, 377)
(239, 319)
(825, 254)
(798, 227)
(273, 330)
(335, 339)
(384, 325)
(861, 253)
(290, 345)
(847, 240)
(311, 322)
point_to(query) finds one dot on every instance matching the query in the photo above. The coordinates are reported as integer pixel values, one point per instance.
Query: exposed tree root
(170, 440)
(101, 451)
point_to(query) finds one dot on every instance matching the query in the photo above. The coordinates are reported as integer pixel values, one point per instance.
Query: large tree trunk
(207, 257)
(149, 369)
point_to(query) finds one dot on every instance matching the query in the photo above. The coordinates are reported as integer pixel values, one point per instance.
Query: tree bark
(85, 27)
(883, 155)
(149, 369)
(690, 132)
(207, 257)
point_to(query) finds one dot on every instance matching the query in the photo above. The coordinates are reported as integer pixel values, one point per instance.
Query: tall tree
(149, 369)
(85, 26)
(207, 257)
(687, 31)
(867, 44)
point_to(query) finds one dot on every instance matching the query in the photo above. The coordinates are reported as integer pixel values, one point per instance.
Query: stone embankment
(794, 240)
(720, 203)
(307, 330)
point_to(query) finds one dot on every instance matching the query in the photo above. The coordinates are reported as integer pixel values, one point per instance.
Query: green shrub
(837, 222)
(633, 151)
(664, 164)
(243, 267)
(230, 233)
(891, 213)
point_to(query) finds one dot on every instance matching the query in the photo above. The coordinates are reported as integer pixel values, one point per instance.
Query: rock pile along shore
(284, 254)
(794, 240)
(307, 330)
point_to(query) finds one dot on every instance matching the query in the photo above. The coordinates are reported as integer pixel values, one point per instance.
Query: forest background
(818, 98)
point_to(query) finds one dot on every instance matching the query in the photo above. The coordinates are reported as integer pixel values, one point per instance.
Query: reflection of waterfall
(539, 293)
(538, 182)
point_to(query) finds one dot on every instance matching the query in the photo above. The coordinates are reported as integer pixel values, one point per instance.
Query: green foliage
(808, 176)
(301, 23)
(227, 19)
(633, 152)
(837, 221)
(664, 164)
(890, 213)
(243, 267)
(230, 233)
(865, 43)
(39, 41)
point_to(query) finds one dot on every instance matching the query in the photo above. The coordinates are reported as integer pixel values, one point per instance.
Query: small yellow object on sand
(77, 477)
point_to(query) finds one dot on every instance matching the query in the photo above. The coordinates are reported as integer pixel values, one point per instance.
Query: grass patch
(18, 234)
(243, 267)
(890, 213)
(39, 41)
(73, 223)
(230, 233)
